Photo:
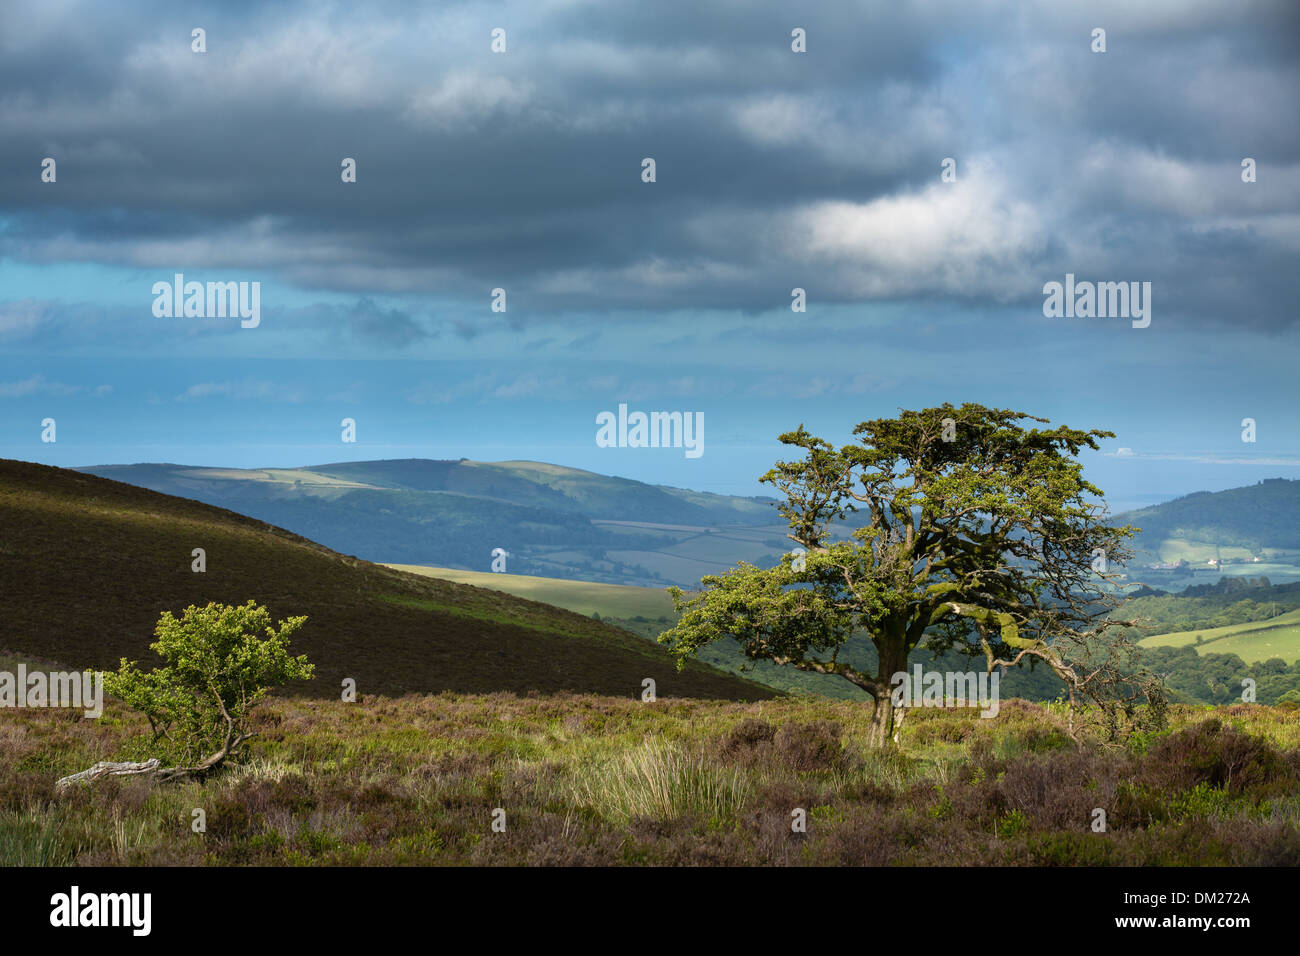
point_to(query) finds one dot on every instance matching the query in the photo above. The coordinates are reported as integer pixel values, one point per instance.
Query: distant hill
(582, 597)
(551, 521)
(1254, 530)
(537, 484)
(87, 565)
(1257, 517)
(1231, 600)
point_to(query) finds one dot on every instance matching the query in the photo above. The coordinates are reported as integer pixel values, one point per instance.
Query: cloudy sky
(522, 170)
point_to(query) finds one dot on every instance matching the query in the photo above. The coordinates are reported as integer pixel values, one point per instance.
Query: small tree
(216, 669)
(978, 532)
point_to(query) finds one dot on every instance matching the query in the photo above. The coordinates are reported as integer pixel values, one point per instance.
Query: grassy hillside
(1253, 641)
(88, 564)
(581, 597)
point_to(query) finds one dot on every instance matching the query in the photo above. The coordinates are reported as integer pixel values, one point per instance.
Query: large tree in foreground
(972, 529)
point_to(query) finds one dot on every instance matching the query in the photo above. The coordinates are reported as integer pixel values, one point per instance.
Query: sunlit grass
(587, 779)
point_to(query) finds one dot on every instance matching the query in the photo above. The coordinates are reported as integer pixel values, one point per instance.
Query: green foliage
(1012, 824)
(1217, 678)
(1203, 607)
(216, 669)
(1203, 800)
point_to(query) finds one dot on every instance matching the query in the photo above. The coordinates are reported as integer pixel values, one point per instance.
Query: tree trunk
(107, 768)
(153, 770)
(881, 732)
(892, 654)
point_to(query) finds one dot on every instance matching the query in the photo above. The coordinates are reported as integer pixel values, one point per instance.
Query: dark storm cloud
(522, 170)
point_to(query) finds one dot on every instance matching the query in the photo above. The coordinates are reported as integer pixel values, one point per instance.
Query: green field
(1253, 641)
(582, 597)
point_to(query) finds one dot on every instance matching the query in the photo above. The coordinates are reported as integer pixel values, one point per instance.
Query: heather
(597, 780)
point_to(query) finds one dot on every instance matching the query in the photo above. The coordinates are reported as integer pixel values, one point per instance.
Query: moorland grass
(593, 780)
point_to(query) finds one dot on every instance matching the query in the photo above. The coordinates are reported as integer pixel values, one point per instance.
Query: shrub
(1221, 756)
(216, 669)
(748, 743)
(815, 746)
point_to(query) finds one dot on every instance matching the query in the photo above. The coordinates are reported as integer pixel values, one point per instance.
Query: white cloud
(971, 237)
(22, 316)
(246, 389)
(39, 385)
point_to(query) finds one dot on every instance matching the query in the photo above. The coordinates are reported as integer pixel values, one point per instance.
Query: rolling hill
(571, 524)
(87, 564)
(581, 597)
(552, 521)
(1254, 530)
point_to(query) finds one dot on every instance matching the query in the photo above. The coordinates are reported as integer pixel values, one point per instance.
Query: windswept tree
(218, 662)
(969, 529)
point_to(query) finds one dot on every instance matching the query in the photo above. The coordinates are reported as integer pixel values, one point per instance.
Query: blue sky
(522, 170)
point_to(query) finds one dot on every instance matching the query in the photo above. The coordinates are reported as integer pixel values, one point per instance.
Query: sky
(523, 170)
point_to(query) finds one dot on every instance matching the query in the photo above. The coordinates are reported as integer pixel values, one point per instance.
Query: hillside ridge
(87, 564)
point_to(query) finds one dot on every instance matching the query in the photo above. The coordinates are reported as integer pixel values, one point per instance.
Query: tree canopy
(962, 525)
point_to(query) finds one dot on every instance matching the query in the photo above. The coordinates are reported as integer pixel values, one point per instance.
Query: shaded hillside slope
(88, 564)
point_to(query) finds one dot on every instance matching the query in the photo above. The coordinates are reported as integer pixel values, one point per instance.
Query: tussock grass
(661, 781)
(32, 839)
